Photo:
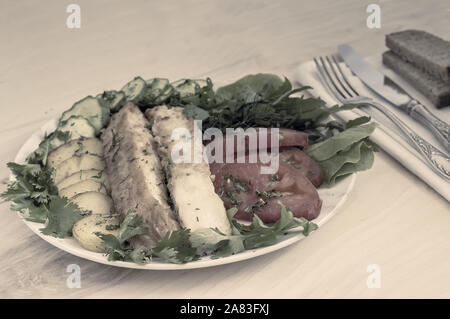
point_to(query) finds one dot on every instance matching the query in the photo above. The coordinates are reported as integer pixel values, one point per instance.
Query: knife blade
(390, 91)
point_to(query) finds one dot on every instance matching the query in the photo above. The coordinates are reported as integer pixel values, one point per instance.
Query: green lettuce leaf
(330, 147)
(366, 158)
(345, 153)
(253, 88)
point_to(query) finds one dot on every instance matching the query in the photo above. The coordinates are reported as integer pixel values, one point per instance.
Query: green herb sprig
(184, 246)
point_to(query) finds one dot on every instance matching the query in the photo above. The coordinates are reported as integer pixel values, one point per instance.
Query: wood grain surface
(391, 218)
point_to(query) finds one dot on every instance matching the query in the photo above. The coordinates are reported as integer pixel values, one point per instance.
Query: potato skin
(84, 231)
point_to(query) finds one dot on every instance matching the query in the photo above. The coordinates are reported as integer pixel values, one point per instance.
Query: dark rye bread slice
(437, 91)
(427, 52)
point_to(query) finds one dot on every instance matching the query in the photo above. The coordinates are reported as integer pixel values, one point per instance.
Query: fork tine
(327, 79)
(323, 77)
(331, 64)
(343, 76)
(330, 77)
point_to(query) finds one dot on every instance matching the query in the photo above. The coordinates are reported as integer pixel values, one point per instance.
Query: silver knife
(394, 94)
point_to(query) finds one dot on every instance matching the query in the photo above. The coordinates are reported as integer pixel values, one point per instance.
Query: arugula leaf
(330, 147)
(253, 88)
(62, 215)
(195, 112)
(358, 121)
(364, 162)
(356, 158)
(264, 100)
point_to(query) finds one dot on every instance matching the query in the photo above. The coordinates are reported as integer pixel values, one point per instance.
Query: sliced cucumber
(58, 138)
(92, 110)
(157, 83)
(135, 89)
(155, 89)
(90, 174)
(74, 148)
(185, 87)
(113, 99)
(95, 202)
(78, 126)
(165, 94)
(76, 164)
(88, 185)
(201, 83)
(71, 129)
(86, 229)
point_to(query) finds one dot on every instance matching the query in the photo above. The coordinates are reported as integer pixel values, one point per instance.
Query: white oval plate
(333, 198)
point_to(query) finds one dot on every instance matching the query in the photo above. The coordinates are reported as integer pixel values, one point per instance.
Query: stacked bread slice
(423, 60)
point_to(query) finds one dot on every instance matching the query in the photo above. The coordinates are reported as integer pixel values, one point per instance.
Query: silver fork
(338, 84)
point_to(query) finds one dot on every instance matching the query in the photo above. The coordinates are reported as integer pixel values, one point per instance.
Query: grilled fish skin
(136, 176)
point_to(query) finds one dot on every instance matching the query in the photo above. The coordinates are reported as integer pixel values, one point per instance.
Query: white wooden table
(391, 218)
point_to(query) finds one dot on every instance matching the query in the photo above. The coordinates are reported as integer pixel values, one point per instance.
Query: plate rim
(204, 262)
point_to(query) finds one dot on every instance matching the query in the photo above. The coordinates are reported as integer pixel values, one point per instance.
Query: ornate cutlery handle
(439, 128)
(438, 161)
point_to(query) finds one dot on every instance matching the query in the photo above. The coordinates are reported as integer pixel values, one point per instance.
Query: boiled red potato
(252, 139)
(302, 163)
(243, 186)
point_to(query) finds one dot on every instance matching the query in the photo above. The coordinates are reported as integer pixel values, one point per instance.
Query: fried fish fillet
(189, 183)
(136, 176)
